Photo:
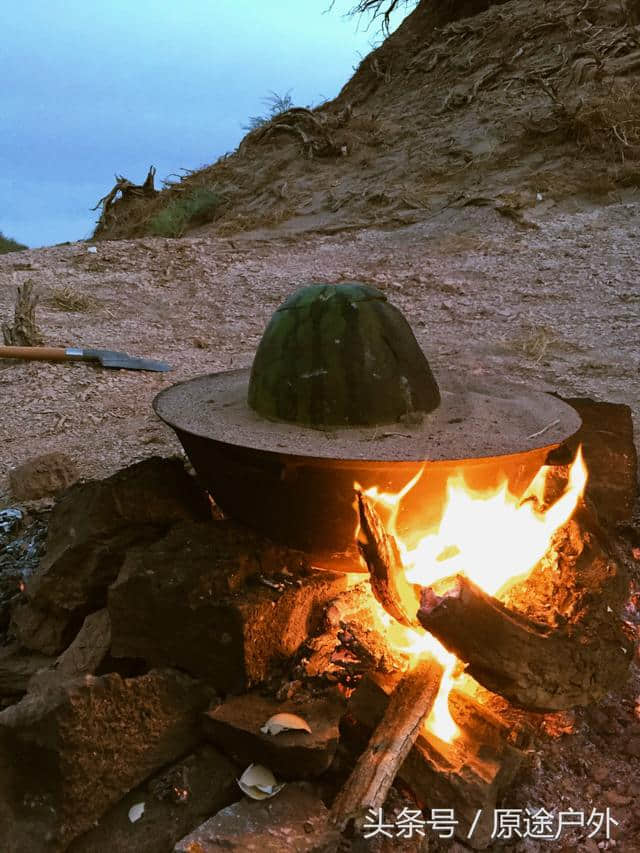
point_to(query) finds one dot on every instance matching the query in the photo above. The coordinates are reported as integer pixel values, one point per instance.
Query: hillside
(518, 105)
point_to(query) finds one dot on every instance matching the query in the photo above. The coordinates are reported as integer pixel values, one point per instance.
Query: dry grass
(534, 343)
(66, 298)
(610, 124)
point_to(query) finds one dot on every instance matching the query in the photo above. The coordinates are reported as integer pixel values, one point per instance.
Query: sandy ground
(556, 307)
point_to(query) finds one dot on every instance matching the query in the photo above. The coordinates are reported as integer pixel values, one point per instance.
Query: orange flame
(493, 537)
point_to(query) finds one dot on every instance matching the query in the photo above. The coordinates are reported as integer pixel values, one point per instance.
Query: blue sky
(91, 89)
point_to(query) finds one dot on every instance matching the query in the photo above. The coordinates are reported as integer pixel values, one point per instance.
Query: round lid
(477, 418)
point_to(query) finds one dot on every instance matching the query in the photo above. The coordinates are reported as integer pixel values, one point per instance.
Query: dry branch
(24, 332)
(391, 742)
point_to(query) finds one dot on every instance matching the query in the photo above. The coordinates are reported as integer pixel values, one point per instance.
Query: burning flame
(493, 537)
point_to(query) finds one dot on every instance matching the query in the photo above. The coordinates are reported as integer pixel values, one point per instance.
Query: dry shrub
(610, 123)
(66, 298)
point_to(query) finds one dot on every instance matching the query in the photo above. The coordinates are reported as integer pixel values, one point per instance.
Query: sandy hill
(468, 103)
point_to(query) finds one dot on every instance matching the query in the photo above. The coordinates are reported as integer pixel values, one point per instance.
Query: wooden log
(373, 775)
(468, 775)
(531, 664)
(380, 552)
(24, 332)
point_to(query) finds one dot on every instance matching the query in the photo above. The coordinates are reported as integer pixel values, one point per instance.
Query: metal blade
(122, 361)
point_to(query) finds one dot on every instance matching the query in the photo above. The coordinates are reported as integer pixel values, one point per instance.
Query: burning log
(468, 775)
(380, 552)
(391, 742)
(532, 665)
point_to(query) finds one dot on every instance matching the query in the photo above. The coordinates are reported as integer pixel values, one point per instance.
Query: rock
(606, 436)
(17, 667)
(68, 753)
(40, 631)
(632, 747)
(94, 523)
(600, 774)
(613, 798)
(192, 600)
(207, 777)
(83, 656)
(293, 820)
(43, 476)
(234, 726)
(634, 789)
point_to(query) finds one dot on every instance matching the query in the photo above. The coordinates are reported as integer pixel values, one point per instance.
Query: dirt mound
(516, 101)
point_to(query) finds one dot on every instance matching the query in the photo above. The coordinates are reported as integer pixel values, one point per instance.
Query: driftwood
(467, 775)
(373, 775)
(380, 552)
(122, 194)
(532, 665)
(24, 332)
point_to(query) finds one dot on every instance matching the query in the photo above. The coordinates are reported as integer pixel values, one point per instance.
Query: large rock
(235, 726)
(295, 820)
(69, 753)
(43, 476)
(176, 800)
(194, 600)
(82, 657)
(94, 524)
(17, 668)
(41, 630)
(606, 436)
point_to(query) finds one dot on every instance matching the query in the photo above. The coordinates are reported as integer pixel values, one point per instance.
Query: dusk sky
(114, 86)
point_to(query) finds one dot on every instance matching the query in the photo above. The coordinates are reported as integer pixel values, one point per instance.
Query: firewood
(534, 666)
(380, 552)
(468, 775)
(391, 742)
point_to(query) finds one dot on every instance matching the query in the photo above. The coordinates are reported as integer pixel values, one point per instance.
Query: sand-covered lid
(339, 374)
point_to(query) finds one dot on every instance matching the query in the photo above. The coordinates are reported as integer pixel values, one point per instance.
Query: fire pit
(340, 392)
(464, 528)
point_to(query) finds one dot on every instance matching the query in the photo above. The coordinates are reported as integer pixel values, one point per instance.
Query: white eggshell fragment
(259, 783)
(285, 723)
(136, 812)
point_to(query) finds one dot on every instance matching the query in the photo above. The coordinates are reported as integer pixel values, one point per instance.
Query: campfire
(444, 603)
(462, 579)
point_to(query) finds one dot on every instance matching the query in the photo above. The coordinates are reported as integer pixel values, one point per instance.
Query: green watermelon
(340, 355)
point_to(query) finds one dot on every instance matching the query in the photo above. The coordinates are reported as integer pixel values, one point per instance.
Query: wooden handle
(35, 353)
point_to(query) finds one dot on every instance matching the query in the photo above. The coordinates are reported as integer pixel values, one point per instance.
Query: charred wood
(391, 742)
(380, 552)
(531, 664)
(469, 774)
